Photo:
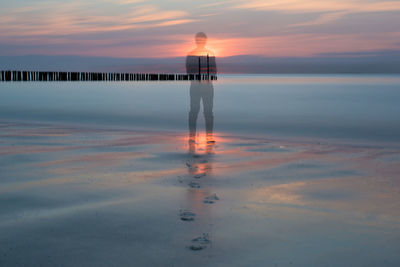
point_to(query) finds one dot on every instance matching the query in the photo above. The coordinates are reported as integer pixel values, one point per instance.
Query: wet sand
(73, 195)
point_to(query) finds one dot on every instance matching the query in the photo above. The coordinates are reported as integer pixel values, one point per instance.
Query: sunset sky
(139, 28)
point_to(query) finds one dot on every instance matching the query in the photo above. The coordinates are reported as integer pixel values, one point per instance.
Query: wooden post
(199, 69)
(208, 67)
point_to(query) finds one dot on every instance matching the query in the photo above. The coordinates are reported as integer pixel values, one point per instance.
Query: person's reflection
(201, 61)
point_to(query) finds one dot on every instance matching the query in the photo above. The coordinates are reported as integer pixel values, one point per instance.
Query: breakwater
(44, 76)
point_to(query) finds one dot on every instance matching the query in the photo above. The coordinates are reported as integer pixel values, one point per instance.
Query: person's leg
(208, 102)
(195, 98)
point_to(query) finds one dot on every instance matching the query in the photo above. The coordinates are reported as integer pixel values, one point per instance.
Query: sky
(139, 28)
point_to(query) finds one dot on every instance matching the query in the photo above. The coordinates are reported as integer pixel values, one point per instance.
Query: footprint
(200, 242)
(191, 166)
(187, 215)
(194, 184)
(211, 199)
(198, 176)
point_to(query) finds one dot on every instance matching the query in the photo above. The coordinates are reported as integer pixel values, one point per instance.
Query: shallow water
(304, 172)
(332, 106)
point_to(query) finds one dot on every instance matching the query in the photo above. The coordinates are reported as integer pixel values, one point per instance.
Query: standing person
(201, 61)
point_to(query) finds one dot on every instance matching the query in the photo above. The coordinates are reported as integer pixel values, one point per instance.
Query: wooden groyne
(44, 76)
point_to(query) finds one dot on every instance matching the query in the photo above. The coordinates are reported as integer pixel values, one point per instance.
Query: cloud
(216, 4)
(395, 54)
(300, 45)
(322, 19)
(296, 6)
(332, 10)
(44, 18)
(142, 27)
(126, 2)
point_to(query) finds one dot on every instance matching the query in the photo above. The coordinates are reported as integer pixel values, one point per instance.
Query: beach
(106, 175)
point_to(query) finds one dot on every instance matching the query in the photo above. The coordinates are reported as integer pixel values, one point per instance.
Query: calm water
(335, 106)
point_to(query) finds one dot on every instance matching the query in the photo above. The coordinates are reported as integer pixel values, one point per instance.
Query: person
(201, 62)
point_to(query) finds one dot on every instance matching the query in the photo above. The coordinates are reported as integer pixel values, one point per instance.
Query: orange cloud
(296, 45)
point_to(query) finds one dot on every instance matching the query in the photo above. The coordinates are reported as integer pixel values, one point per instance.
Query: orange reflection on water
(201, 139)
(201, 148)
